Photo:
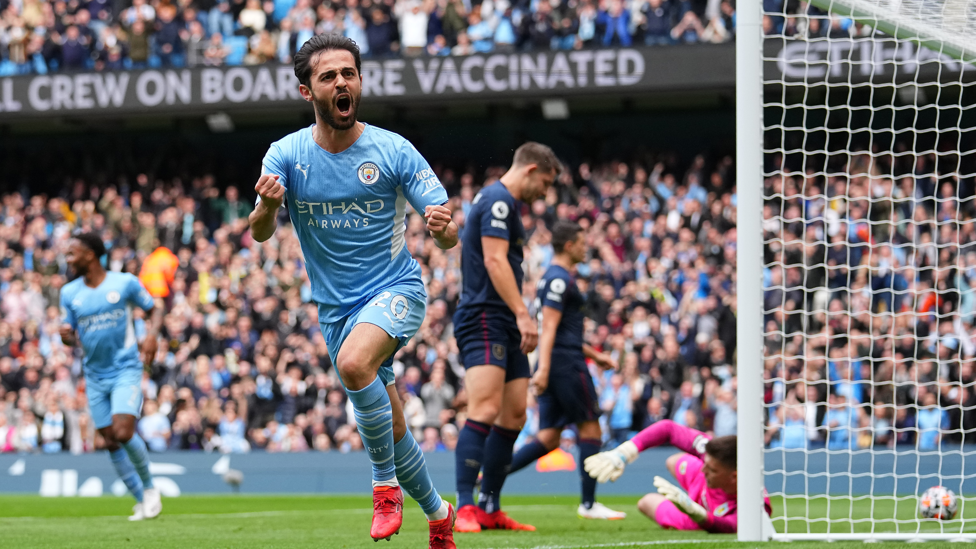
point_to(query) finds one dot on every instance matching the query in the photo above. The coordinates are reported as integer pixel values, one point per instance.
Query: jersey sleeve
(137, 294)
(496, 217)
(554, 292)
(277, 163)
(420, 185)
(685, 439)
(67, 315)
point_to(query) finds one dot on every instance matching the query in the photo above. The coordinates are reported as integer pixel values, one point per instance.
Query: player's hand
(271, 192)
(67, 334)
(540, 381)
(438, 219)
(605, 361)
(148, 351)
(608, 466)
(680, 499)
(529, 330)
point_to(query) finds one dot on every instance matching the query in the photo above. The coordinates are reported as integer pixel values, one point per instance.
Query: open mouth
(344, 104)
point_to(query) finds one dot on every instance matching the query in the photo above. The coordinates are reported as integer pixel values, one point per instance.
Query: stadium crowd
(870, 302)
(869, 319)
(243, 365)
(38, 36)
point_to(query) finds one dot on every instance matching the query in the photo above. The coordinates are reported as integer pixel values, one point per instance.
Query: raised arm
(668, 432)
(610, 465)
(264, 218)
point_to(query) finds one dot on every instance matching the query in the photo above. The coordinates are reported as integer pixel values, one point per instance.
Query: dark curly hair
(323, 42)
(91, 241)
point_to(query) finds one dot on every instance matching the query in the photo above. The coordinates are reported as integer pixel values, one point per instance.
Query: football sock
(527, 454)
(411, 472)
(374, 419)
(139, 454)
(468, 456)
(587, 447)
(127, 472)
(498, 460)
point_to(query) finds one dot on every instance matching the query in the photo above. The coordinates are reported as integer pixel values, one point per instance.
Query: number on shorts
(398, 305)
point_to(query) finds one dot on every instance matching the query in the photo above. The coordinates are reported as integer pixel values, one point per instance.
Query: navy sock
(468, 456)
(498, 462)
(527, 454)
(587, 447)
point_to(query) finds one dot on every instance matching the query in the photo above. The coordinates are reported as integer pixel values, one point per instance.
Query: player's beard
(329, 111)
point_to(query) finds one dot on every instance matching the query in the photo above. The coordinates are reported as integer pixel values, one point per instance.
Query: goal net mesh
(869, 280)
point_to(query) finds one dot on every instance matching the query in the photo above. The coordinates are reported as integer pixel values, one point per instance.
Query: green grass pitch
(343, 522)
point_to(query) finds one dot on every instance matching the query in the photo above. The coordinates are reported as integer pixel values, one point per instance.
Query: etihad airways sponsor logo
(338, 215)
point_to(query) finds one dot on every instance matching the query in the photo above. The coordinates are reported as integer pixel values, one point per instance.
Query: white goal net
(869, 265)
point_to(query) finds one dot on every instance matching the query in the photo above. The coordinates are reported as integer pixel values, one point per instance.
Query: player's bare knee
(548, 438)
(485, 411)
(123, 432)
(672, 463)
(591, 430)
(648, 505)
(353, 367)
(512, 418)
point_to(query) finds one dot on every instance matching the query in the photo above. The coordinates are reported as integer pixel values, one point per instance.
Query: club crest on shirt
(721, 510)
(113, 297)
(498, 350)
(369, 173)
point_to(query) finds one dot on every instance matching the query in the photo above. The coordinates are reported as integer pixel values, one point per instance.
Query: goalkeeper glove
(610, 465)
(680, 499)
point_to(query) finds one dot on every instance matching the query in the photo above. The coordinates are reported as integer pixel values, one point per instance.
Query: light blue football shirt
(349, 212)
(102, 317)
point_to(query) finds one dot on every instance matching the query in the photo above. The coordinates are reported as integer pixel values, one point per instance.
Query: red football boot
(500, 521)
(442, 531)
(467, 519)
(387, 512)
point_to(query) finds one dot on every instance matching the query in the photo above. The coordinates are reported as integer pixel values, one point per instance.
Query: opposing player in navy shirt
(562, 382)
(96, 310)
(494, 332)
(346, 186)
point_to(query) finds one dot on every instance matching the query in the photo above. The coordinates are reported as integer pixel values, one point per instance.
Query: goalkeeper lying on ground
(707, 471)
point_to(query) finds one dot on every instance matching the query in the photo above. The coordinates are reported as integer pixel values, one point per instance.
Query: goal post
(856, 267)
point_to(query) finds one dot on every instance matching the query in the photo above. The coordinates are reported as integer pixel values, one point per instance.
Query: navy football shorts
(486, 336)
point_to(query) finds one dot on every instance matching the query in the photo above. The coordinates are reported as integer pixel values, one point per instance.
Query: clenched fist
(438, 219)
(271, 192)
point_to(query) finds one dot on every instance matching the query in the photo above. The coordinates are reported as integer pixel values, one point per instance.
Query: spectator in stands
(656, 23)
(839, 422)
(138, 37)
(380, 34)
(75, 50)
(216, 51)
(154, 427)
(414, 17)
(616, 19)
(480, 33)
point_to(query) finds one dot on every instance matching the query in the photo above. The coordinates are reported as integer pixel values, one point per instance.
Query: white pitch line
(620, 544)
(252, 514)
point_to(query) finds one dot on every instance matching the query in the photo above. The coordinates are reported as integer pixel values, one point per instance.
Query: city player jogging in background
(96, 310)
(706, 472)
(562, 381)
(494, 332)
(346, 186)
